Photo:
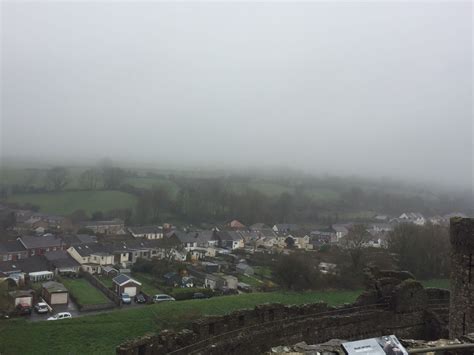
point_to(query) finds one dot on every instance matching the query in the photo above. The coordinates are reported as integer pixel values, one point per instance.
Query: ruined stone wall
(461, 319)
(255, 331)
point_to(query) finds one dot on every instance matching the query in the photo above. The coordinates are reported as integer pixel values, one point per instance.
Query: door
(59, 298)
(131, 291)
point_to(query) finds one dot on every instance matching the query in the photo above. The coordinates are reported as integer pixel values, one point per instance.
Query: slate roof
(91, 248)
(45, 241)
(146, 230)
(112, 222)
(78, 239)
(229, 236)
(285, 227)
(122, 279)
(11, 246)
(61, 259)
(54, 287)
(31, 264)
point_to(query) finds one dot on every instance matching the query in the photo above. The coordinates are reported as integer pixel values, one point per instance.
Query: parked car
(140, 298)
(23, 310)
(199, 296)
(126, 299)
(41, 308)
(61, 315)
(162, 298)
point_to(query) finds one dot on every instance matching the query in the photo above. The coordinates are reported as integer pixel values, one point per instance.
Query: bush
(187, 293)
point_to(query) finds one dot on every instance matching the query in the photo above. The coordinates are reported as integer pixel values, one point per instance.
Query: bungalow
(147, 232)
(55, 293)
(39, 245)
(125, 284)
(36, 268)
(12, 250)
(114, 226)
(61, 262)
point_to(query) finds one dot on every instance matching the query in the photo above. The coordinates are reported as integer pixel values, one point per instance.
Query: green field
(66, 202)
(84, 292)
(100, 334)
(438, 283)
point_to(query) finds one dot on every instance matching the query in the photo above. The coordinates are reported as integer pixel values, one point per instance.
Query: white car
(41, 308)
(61, 315)
(162, 298)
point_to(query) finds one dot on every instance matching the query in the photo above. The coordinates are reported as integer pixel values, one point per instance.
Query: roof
(45, 241)
(91, 248)
(108, 269)
(230, 236)
(123, 279)
(77, 239)
(112, 222)
(285, 227)
(146, 229)
(31, 264)
(61, 259)
(54, 287)
(11, 246)
(258, 226)
(340, 228)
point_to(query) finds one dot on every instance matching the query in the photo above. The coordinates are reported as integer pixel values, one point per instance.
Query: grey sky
(353, 88)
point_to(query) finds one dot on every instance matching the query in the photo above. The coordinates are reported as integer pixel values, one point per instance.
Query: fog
(373, 89)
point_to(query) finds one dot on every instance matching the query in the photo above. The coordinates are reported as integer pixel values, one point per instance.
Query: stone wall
(461, 319)
(407, 314)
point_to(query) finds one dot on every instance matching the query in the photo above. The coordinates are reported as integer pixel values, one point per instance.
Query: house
(235, 224)
(302, 239)
(61, 262)
(231, 240)
(323, 236)
(412, 217)
(91, 256)
(210, 267)
(55, 293)
(39, 245)
(147, 232)
(35, 268)
(245, 269)
(114, 226)
(285, 228)
(12, 250)
(230, 282)
(341, 231)
(125, 284)
(39, 220)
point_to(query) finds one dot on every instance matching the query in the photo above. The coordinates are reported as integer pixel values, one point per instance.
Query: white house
(148, 232)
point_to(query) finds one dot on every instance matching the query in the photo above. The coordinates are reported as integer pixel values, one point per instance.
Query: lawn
(149, 182)
(66, 202)
(438, 283)
(100, 334)
(250, 280)
(148, 283)
(84, 292)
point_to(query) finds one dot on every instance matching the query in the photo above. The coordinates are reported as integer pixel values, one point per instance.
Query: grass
(66, 202)
(100, 334)
(263, 271)
(438, 283)
(148, 283)
(84, 292)
(250, 280)
(149, 182)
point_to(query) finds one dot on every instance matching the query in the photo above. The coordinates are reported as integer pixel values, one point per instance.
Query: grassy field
(66, 202)
(84, 292)
(100, 334)
(438, 283)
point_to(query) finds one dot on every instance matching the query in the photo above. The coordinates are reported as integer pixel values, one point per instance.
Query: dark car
(199, 296)
(140, 298)
(23, 310)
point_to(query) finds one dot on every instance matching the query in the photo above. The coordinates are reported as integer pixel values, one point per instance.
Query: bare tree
(90, 179)
(356, 242)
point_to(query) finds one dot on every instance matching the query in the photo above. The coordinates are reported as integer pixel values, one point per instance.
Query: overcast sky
(347, 88)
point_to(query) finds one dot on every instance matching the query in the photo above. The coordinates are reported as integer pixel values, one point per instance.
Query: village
(57, 269)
